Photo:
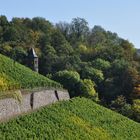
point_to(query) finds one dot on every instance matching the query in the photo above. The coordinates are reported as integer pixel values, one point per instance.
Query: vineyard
(79, 118)
(14, 76)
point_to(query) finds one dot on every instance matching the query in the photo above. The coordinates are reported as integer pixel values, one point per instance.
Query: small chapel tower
(33, 60)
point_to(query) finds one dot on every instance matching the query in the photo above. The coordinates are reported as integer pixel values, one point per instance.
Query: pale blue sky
(120, 16)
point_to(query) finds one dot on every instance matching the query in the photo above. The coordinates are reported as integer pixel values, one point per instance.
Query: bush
(121, 106)
(70, 81)
(87, 89)
(101, 64)
(93, 74)
(136, 109)
(7, 83)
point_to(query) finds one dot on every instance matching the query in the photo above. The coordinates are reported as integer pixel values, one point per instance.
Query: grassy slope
(14, 75)
(78, 118)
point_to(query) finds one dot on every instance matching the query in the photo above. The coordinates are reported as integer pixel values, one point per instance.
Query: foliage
(69, 79)
(7, 83)
(136, 91)
(97, 36)
(80, 29)
(136, 109)
(60, 44)
(87, 89)
(93, 74)
(122, 79)
(101, 64)
(121, 106)
(79, 118)
(16, 94)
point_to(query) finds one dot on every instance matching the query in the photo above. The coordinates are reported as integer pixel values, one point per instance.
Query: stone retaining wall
(43, 98)
(25, 103)
(10, 107)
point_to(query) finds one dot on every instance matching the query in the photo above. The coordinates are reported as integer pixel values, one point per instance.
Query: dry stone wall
(62, 95)
(10, 107)
(43, 98)
(25, 104)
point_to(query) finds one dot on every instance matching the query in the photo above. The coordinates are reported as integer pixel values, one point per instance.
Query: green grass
(79, 118)
(14, 76)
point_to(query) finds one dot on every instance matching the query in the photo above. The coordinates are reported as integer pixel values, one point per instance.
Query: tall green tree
(79, 29)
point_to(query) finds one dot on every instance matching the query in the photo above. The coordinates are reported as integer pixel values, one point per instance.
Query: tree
(102, 65)
(136, 109)
(128, 49)
(136, 86)
(121, 81)
(80, 29)
(11, 34)
(121, 106)
(65, 29)
(3, 21)
(93, 74)
(70, 80)
(97, 36)
(60, 44)
(108, 53)
(19, 54)
(48, 58)
(41, 24)
(5, 49)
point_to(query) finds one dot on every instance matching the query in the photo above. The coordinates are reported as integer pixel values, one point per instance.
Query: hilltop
(16, 76)
(79, 118)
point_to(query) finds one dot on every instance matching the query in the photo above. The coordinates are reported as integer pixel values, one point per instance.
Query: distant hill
(14, 76)
(77, 119)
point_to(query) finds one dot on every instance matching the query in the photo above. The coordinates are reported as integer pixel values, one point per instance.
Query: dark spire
(32, 53)
(33, 60)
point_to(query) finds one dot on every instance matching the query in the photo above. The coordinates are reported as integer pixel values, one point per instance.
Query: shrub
(93, 74)
(136, 109)
(101, 64)
(87, 89)
(121, 106)
(70, 80)
(7, 83)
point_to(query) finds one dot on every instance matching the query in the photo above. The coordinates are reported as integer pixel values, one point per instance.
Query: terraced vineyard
(14, 76)
(79, 118)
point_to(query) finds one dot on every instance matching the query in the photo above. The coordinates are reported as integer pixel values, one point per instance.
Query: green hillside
(14, 76)
(79, 118)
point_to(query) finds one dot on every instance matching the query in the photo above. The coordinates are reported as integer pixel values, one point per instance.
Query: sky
(120, 16)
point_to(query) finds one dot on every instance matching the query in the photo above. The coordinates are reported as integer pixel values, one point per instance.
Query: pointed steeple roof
(32, 53)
